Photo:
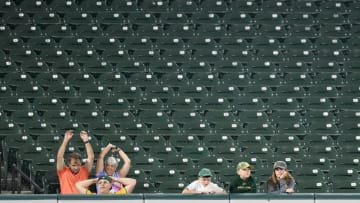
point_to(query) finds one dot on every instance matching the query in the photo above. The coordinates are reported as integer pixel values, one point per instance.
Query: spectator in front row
(244, 182)
(104, 185)
(203, 185)
(74, 172)
(109, 168)
(281, 180)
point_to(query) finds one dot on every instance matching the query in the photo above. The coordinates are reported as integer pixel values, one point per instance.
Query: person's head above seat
(205, 175)
(243, 169)
(280, 165)
(104, 184)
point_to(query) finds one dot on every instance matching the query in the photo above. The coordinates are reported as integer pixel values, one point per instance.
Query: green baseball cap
(205, 172)
(244, 165)
(108, 178)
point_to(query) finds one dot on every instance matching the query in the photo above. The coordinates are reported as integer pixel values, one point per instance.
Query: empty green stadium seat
(5, 91)
(182, 141)
(124, 6)
(161, 92)
(283, 116)
(177, 55)
(214, 163)
(114, 104)
(30, 91)
(143, 79)
(91, 6)
(150, 141)
(240, 79)
(220, 141)
(150, 116)
(8, 6)
(150, 103)
(164, 152)
(252, 117)
(12, 43)
(284, 104)
(88, 116)
(195, 153)
(82, 104)
(225, 91)
(181, 103)
(174, 17)
(297, 152)
(348, 103)
(151, 30)
(318, 104)
(119, 116)
(127, 92)
(259, 91)
(214, 103)
(213, 117)
(24, 116)
(344, 184)
(64, 66)
(16, 103)
(172, 187)
(46, 18)
(146, 163)
(179, 163)
(249, 6)
(167, 128)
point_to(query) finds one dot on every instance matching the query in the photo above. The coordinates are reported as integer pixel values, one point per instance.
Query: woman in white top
(203, 184)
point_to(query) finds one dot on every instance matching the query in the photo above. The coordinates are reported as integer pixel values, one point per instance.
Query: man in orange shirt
(74, 172)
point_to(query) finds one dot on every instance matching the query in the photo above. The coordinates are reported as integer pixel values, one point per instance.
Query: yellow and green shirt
(122, 191)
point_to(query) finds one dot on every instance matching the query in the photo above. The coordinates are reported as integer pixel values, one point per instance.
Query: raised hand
(68, 135)
(84, 136)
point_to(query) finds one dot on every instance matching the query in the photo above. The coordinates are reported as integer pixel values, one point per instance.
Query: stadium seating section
(185, 84)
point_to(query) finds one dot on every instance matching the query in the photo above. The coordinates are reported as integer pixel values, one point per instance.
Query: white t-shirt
(196, 186)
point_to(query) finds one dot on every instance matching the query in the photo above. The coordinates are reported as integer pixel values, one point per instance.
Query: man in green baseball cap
(203, 184)
(244, 182)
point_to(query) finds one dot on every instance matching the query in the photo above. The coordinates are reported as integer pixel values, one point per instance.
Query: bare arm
(129, 183)
(188, 191)
(82, 186)
(100, 161)
(89, 150)
(60, 161)
(222, 191)
(214, 189)
(127, 163)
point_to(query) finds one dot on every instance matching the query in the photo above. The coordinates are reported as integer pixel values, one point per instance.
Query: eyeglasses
(279, 169)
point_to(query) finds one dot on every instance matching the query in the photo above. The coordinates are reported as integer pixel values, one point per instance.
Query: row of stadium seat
(203, 17)
(289, 70)
(195, 81)
(185, 30)
(323, 170)
(188, 6)
(125, 124)
(183, 55)
(263, 42)
(76, 45)
(43, 111)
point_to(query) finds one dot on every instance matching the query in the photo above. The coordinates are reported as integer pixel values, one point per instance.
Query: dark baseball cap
(108, 178)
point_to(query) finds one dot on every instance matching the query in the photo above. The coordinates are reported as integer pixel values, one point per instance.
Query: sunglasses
(279, 169)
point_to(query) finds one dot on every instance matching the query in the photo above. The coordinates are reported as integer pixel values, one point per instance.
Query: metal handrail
(27, 178)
